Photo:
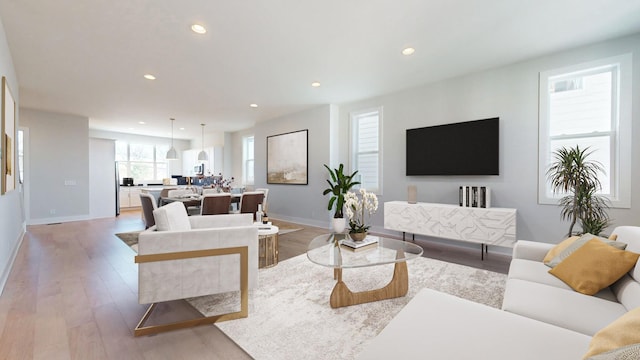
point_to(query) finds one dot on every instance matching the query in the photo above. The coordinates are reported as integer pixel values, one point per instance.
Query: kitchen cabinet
(129, 197)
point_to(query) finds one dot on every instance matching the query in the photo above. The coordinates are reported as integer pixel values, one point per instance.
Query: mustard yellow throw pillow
(594, 266)
(573, 246)
(622, 332)
(559, 248)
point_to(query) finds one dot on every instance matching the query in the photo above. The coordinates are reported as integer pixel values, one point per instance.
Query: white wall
(102, 178)
(300, 203)
(58, 166)
(511, 93)
(12, 222)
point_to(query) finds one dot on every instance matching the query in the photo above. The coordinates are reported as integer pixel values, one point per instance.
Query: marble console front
(491, 226)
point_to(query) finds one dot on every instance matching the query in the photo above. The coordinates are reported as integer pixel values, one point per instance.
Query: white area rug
(290, 316)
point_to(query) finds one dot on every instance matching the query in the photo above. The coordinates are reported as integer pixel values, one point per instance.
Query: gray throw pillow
(578, 243)
(629, 352)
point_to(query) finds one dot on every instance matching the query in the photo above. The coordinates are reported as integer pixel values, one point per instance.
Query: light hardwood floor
(72, 294)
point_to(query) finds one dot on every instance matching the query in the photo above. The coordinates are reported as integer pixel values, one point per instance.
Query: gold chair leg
(141, 330)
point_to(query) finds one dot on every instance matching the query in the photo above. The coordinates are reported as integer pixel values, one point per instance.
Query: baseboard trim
(14, 253)
(61, 219)
(302, 221)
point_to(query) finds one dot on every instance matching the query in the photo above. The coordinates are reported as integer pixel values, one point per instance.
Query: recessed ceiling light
(253, 105)
(315, 84)
(198, 29)
(181, 128)
(408, 51)
(141, 122)
(149, 77)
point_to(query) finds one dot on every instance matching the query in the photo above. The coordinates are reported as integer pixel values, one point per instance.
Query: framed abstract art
(288, 158)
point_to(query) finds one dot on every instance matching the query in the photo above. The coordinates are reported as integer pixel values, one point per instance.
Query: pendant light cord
(172, 120)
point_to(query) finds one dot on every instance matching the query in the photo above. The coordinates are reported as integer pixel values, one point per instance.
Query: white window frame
(353, 116)
(247, 159)
(620, 196)
(156, 162)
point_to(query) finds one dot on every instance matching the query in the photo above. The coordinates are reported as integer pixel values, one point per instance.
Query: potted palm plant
(574, 174)
(339, 185)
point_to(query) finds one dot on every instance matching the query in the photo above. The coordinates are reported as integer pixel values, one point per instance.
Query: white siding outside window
(366, 151)
(588, 105)
(248, 160)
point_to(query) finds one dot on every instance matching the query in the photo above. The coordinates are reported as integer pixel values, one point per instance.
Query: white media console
(485, 226)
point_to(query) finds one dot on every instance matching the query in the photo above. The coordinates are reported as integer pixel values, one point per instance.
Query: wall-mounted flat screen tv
(465, 148)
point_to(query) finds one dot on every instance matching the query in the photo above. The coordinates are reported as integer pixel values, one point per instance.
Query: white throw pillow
(172, 217)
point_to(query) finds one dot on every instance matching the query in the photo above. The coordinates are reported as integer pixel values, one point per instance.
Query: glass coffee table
(324, 251)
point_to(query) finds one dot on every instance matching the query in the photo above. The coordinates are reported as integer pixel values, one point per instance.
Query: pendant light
(202, 156)
(172, 154)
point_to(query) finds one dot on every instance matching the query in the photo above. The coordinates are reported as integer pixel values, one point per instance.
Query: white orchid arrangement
(360, 209)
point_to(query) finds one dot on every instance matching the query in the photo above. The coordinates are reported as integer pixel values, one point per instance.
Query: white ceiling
(89, 57)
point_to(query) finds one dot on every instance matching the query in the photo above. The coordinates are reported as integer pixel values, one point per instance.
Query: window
(142, 162)
(366, 155)
(588, 105)
(247, 160)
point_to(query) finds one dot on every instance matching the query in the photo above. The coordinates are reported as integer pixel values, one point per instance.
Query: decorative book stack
(475, 196)
(263, 226)
(367, 243)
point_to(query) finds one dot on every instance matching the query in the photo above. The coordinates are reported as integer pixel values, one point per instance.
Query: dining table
(194, 200)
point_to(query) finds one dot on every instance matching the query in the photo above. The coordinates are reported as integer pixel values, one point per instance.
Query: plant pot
(338, 224)
(358, 236)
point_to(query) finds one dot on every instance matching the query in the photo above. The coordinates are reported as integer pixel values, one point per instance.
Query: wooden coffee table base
(397, 287)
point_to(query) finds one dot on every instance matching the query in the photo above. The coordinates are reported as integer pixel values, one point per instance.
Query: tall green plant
(593, 218)
(339, 185)
(577, 176)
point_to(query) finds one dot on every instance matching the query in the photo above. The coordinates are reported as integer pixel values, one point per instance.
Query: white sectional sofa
(532, 292)
(542, 317)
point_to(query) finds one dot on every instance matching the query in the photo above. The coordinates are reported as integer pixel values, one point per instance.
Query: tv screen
(466, 148)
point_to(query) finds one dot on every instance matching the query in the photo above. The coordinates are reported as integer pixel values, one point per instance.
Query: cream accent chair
(188, 256)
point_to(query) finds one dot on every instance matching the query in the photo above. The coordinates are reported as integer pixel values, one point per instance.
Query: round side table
(267, 246)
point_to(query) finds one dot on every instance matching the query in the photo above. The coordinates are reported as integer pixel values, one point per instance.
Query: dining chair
(249, 202)
(266, 196)
(148, 202)
(215, 204)
(164, 193)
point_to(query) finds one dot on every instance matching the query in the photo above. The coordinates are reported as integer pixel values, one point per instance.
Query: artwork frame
(8, 133)
(288, 158)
